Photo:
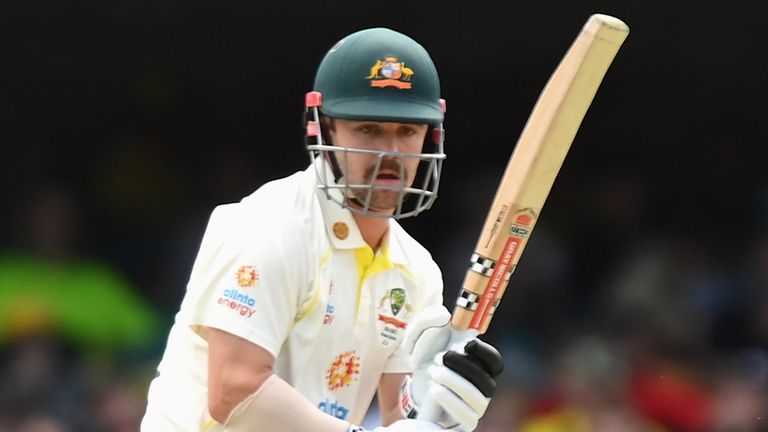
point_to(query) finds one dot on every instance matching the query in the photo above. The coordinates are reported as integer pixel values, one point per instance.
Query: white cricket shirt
(288, 269)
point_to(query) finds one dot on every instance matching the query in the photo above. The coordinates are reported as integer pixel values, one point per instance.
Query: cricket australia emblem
(392, 311)
(390, 72)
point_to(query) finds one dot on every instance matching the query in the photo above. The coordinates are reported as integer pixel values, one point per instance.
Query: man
(298, 302)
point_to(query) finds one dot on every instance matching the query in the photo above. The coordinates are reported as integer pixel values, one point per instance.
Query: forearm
(276, 406)
(389, 398)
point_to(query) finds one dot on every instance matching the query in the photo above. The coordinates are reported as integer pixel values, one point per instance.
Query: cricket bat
(532, 168)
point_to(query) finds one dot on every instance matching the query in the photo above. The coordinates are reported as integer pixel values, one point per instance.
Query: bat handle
(430, 410)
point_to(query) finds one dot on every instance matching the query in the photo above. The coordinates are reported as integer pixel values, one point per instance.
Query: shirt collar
(342, 228)
(394, 243)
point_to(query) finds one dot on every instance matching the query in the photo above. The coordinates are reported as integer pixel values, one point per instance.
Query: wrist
(408, 406)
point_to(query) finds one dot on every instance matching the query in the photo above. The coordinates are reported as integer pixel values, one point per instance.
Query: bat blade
(532, 168)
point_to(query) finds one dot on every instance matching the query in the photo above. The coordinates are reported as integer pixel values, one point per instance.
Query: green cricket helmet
(377, 75)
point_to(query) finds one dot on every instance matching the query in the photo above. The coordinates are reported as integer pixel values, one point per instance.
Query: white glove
(426, 339)
(409, 426)
(401, 426)
(453, 378)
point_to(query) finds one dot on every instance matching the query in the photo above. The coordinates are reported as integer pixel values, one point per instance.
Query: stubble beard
(382, 200)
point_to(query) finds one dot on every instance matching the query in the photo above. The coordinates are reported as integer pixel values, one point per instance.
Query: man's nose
(391, 142)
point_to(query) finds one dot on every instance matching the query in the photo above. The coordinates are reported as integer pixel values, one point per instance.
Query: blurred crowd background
(641, 303)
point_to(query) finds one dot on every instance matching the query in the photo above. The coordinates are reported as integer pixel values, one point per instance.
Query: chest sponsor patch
(330, 309)
(335, 409)
(343, 370)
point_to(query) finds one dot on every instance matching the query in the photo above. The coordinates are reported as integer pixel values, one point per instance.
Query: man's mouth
(388, 175)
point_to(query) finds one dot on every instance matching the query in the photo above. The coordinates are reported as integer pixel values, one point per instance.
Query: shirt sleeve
(247, 281)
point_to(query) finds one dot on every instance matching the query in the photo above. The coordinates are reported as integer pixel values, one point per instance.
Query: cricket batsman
(307, 298)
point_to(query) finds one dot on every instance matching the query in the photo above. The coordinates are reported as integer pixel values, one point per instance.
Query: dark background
(150, 113)
(200, 103)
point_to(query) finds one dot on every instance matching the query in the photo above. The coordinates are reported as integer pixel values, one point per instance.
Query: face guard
(377, 75)
(366, 197)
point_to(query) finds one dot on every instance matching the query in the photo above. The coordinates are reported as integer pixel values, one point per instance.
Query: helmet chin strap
(326, 139)
(360, 204)
(335, 167)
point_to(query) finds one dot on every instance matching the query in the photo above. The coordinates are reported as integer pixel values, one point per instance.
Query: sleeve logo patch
(247, 276)
(238, 302)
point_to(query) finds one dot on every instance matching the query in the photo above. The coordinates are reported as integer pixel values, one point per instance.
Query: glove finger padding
(489, 357)
(467, 392)
(465, 418)
(480, 364)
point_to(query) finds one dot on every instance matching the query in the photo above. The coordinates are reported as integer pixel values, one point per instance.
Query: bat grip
(430, 410)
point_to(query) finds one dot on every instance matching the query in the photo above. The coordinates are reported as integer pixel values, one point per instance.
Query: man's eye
(367, 129)
(408, 131)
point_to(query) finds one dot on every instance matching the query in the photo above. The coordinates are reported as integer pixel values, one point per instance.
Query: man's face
(396, 172)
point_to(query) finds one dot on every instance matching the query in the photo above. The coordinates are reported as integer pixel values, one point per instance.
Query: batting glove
(454, 372)
(402, 426)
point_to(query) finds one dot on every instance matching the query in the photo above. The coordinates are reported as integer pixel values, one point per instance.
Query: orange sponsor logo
(247, 276)
(343, 370)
